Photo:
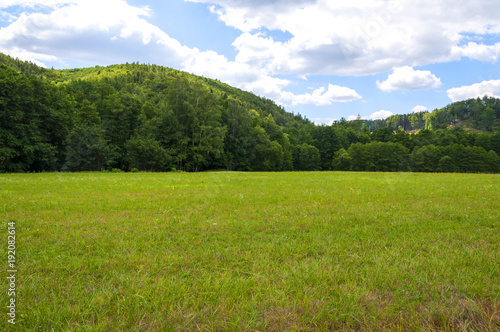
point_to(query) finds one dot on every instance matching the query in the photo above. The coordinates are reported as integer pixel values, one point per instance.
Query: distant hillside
(472, 114)
(150, 76)
(138, 117)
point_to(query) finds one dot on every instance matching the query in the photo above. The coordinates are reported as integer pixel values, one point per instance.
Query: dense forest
(138, 117)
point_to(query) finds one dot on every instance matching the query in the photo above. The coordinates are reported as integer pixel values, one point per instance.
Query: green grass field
(253, 251)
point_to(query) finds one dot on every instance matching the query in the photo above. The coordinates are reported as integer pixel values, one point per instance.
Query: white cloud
(380, 115)
(320, 97)
(95, 31)
(408, 79)
(482, 52)
(250, 15)
(263, 52)
(419, 109)
(489, 88)
(360, 37)
(33, 3)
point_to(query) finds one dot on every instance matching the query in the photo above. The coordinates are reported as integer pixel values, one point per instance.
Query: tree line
(476, 114)
(152, 118)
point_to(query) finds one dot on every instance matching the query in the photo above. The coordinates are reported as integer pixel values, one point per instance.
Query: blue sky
(323, 59)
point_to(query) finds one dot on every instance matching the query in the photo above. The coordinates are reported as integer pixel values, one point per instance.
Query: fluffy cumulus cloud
(482, 52)
(75, 30)
(359, 37)
(249, 78)
(244, 76)
(322, 97)
(419, 109)
(486, 88)
(380, 115)
(408, 79)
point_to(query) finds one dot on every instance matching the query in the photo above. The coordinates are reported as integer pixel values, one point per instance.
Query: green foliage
(454, 158)
(342, 161)
(378, 156)
(306, 158)
(425, 159)
(447, 165)
(265, 155)
(327, 141)
(33, 123)
(88, 150)
(383, 134)
(147, 155)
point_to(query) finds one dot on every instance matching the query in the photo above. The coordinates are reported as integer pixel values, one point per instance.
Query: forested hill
(147, 117)
(136, 116)
(473, 114)
(153, 77)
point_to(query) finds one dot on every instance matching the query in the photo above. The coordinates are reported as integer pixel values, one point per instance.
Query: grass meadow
(229, 251)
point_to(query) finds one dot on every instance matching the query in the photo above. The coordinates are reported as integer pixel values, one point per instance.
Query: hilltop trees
(479, 113)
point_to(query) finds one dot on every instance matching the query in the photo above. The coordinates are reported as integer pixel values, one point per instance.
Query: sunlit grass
(255, 251)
